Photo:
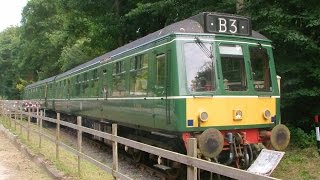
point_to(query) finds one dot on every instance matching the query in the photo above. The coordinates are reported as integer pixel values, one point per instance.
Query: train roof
(194, 24)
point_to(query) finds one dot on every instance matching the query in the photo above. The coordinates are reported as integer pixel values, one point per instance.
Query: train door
(46, 96)
(105, 89)
(68, 94)
(161, 90)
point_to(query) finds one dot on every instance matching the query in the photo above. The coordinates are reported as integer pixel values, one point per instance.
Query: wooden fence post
(9, 120)
(79, 119)
(37, 115)
(28, 129)
(192, 151)
(21, 121)
(57, 135)
(40, 134)
(15, 120)
(114, 151)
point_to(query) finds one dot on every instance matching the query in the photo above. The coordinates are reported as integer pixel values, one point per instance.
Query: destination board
(220, 23)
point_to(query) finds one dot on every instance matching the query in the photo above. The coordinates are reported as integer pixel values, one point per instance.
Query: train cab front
(233, 99)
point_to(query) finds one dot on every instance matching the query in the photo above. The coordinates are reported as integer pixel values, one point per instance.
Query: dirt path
(14, 165)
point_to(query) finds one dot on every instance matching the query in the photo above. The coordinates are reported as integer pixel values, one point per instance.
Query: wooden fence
(193, 163)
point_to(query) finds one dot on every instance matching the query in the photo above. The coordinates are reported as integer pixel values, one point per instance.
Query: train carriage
(209, 76)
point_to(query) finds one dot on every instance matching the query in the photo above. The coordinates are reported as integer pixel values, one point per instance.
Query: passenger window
(118, 79)
(139, 75)
(85, 76)
(95, 73)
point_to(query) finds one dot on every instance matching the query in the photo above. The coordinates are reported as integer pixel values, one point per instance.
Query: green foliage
(293, 26)
(57, 35)
(301, 139)
(75, 55)
(9, 49)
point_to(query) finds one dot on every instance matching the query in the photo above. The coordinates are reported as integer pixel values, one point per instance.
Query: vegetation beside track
(301, 160)
(67, 163)
(299, 163)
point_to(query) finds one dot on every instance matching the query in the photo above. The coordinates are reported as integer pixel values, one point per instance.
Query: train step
(162, 167)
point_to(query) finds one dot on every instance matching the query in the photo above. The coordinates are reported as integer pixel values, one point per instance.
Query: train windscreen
(200, 68)
(233, 67)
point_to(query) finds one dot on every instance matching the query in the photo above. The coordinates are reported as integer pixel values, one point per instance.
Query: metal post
(316, 122)
(279, 83)
(192, 151)
(57, 135)
(40, 134)
(28, 129)
(79, 119)
(114, 151)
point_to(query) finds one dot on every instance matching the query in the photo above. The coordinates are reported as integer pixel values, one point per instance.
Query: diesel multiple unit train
(210, 77)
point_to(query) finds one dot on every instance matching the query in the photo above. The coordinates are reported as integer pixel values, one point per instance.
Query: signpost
(266, 162)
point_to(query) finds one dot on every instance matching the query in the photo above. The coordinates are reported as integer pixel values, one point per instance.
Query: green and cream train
(209, 76)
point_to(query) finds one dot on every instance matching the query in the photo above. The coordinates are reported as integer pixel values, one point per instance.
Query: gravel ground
(104, 155)
(15, 165)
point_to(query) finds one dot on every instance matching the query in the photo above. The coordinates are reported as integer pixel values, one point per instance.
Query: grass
(299, 164)
(67, 163)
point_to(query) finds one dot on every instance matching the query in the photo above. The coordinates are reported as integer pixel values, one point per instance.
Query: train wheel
(175, 171)
(137, 155)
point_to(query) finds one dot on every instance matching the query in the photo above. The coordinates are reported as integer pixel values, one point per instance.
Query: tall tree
(294, 28)
(9, 49)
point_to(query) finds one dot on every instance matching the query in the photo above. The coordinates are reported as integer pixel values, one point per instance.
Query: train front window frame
(260, 69)
(233, 67)
(200, 69)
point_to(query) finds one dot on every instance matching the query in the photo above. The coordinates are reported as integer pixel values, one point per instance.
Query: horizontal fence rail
(190, 160)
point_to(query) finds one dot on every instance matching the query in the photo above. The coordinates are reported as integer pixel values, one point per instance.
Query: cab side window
(260, 69)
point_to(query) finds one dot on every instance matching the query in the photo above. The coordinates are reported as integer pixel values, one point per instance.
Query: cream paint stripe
(169, 97)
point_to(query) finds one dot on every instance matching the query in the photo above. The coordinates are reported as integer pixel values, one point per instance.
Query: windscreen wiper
(203, 47)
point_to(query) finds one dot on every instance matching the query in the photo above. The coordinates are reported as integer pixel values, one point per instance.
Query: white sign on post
(266, 162)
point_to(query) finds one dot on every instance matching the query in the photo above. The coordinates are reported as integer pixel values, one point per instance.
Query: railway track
(103, 152)
(127, 165)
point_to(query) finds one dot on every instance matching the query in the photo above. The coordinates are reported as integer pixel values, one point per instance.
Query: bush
(302, 139)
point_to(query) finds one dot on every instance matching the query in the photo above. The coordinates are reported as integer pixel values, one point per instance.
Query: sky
(10, 12)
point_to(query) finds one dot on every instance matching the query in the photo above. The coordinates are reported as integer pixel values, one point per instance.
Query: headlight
(267, 114)
(237, 114)
(203, 116)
